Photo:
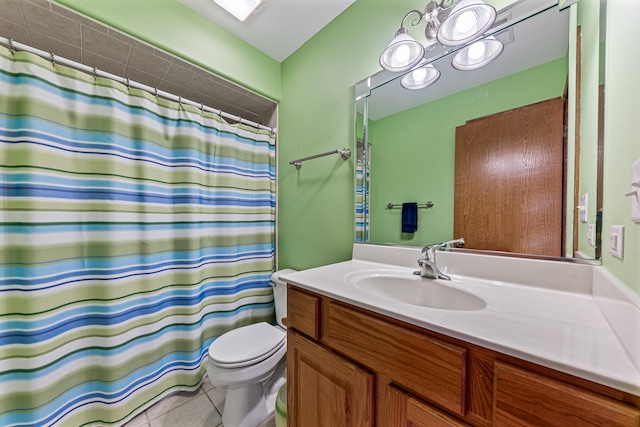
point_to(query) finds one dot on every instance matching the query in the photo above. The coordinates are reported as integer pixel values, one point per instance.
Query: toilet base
(245, 407)
(250, 405)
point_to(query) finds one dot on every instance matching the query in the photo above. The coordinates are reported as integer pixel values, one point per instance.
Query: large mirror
(447, 147)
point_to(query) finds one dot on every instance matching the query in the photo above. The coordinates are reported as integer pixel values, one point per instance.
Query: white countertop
(550, 317)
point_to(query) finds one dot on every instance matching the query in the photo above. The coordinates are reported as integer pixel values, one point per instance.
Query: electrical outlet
(591, 234)
(616, 240)
(583, 207)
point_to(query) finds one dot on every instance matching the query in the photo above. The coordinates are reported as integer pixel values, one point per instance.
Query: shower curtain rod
(14, 46)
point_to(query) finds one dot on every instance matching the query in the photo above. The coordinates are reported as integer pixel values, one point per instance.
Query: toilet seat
(246, 345)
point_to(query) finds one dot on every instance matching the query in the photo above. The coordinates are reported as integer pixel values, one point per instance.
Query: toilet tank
(280, 294)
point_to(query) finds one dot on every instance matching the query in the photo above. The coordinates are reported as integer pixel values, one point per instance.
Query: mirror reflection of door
(504, 200)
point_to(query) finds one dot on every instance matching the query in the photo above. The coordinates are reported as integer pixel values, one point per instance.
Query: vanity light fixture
(421, 76)
(468, 20)
(403, 53)
(240, 9)
(477, 54)
(448, 24)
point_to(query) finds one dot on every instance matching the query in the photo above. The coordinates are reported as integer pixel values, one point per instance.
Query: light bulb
(465, 22)
(477, 50)
(401, 55)
(419, 75)
(477, 54)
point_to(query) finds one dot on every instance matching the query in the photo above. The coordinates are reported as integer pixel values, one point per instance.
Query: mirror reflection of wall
(413, 151)
(589, 127)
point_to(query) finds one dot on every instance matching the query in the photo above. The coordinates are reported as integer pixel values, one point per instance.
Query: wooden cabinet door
(509, 180)
(407, 411)
(523, 398)
(326, 390)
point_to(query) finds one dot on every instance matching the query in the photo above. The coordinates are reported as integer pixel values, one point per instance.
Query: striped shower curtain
(133, 232)
(362, 203)
(362, 186)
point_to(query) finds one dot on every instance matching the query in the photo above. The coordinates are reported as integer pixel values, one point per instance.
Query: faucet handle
(452, 242)
(446, 244)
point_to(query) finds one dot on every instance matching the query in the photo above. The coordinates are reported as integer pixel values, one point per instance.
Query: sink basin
(404, 287)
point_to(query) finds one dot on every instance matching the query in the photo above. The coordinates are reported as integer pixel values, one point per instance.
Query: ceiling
(280, 27)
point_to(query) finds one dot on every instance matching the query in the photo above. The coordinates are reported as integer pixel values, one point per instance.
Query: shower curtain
(133, 232)
(362, 191)
(362, 204)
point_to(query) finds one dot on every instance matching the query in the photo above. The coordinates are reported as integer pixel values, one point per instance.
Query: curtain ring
(12, 47)
(53, 59)
(201, 108)
(95, 73)
(127, 83)
(155, 92)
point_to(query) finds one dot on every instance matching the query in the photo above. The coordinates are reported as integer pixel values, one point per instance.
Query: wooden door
(327, 390)
(509, 189)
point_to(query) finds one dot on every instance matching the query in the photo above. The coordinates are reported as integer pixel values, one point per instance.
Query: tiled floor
(202, 408)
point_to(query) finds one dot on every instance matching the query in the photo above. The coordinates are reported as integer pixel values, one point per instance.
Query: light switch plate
(583, 207)
(616, 240)
(635, 199)
(591, 234)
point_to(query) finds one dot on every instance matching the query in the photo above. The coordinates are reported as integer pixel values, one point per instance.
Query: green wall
(173, 27)
(316, 208)
(418, 148)
(622, 134)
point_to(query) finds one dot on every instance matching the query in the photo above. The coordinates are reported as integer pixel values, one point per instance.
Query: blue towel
(409, 217)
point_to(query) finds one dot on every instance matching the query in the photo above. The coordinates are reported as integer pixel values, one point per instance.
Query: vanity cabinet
(348, 366)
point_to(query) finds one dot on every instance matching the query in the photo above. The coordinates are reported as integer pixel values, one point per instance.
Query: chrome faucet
(427, 263)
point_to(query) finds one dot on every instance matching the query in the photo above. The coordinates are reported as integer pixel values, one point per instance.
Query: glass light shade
(477, 54)
(241, 9)
(468, 20)
(402, 54)
(420, 77)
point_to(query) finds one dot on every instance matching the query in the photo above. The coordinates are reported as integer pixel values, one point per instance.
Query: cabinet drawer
(405, 410)
(525, 398)
(303, 312)
(428, 367)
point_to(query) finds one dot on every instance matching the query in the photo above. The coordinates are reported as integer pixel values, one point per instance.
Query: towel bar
(429, 204)
(345, 153)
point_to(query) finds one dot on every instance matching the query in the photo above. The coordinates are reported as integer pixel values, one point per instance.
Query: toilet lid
(246, 345)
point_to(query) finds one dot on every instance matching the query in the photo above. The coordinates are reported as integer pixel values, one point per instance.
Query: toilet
(250, 361)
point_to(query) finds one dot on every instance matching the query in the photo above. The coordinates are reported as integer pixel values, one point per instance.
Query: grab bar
(429, 204)
(345, 153)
